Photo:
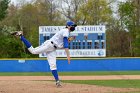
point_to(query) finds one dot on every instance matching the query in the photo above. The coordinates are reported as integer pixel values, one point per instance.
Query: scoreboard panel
(87, 41)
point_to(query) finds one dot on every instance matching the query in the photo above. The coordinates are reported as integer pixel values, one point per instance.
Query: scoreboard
(86, 41)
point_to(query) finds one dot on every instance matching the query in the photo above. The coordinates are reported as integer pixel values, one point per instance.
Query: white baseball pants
(48, 48)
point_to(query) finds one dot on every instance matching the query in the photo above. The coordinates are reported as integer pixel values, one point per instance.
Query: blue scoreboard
(86, 41)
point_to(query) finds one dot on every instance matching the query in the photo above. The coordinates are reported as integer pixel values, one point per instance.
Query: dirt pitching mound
(49, 87)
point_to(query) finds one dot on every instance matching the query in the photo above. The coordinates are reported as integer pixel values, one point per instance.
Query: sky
(15, 1)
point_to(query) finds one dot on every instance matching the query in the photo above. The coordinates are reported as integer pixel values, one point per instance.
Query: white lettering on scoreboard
(79, 29)
(89, 41)
(80, 53)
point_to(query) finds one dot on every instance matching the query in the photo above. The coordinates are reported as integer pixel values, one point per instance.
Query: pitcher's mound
(49, 87)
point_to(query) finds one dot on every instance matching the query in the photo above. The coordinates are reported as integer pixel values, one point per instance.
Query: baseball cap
(71, 23)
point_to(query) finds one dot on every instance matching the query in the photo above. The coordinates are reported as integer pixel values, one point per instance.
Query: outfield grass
(91, 73)
(109, 83)
(131, 92)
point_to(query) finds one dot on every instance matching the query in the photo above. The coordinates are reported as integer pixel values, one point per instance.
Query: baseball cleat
(17, 33)
(58, 85)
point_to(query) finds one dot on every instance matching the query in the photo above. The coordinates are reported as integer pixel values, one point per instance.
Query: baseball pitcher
(59, 40)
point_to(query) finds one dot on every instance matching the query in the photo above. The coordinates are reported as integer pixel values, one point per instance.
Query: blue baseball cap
(71, 23)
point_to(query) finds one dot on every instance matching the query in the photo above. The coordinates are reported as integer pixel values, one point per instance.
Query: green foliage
(3, 8)
(95, 12)
(29, 16)
(136, 43)
(121, 46)
(126, 12)
(129, 13)
(11, 47)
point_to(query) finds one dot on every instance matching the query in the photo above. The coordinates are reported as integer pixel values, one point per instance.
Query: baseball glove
(70, 39)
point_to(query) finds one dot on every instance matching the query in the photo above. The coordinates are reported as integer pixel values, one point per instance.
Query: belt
(54, 45)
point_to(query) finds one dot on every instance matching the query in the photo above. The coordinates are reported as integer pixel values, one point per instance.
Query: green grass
(90, 73)
(131, 92)
(24, 74)
(109, 83)
(94, 73)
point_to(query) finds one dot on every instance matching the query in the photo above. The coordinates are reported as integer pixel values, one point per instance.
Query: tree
(95, 12)
(136, 4)
(28, 17)
(69, 8)
(117, 41)
(130, 18)
(10, 47)
(3, 8)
